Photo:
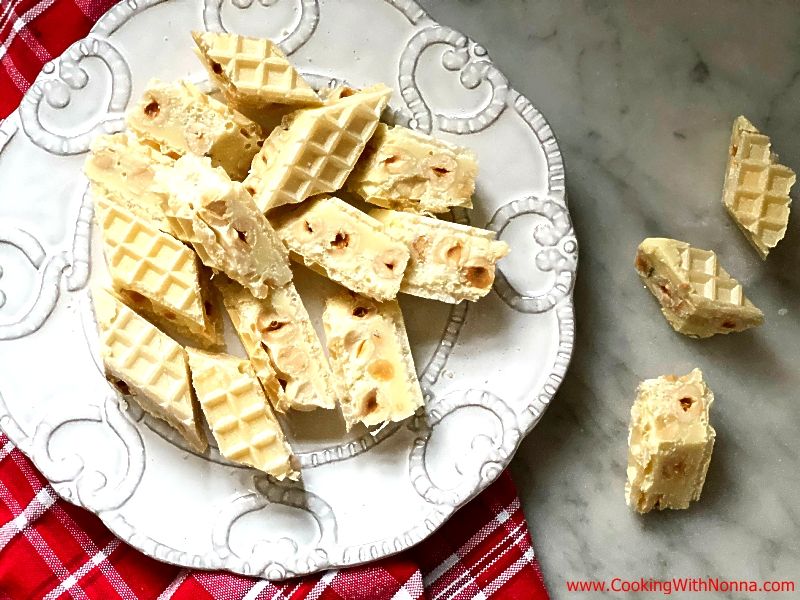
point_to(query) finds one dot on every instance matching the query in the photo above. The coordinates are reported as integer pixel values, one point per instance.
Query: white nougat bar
(123, 169)
(179, 119)
(315, 149)
(238, 413)
(371, 358)
(670, 442)
(142, 361)
(756, 189)
(345, 244)
(253, 73)
(697, 296)
(449, 262)
(282, 345)
(404, 169)
(157, 275)
(218, 218)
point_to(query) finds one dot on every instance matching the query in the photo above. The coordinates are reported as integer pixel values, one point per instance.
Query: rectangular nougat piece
(238, 413)
(371, 358)
(157, 275)
(345, 244)
(282, 345)
(670, 442)
(449, 262)
(142, 361)
(404, 169)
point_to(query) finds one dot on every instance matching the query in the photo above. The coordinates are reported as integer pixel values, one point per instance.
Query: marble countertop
(641, 96)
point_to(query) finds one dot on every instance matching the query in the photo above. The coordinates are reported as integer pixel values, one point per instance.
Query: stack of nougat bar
(201, 209)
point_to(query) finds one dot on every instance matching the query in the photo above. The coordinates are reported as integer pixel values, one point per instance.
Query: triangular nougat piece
(156, 274)
(252, 72)
(370, 355)
(756, 189)
(450, 262)
(404, 169)
(670, 442)
(179, 119)
(238, 413)
(697, 296)
(142, 361)
(283, 346)
(123, 169)
(315, 149)
(218, 218)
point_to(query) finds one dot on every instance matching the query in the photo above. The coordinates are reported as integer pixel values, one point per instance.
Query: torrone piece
(697, 296)
(252, 72)
(179, 119)
(238, 413)
(371, 357)
(156, 274)
(283, 346)
(669, 443)
(756, 191)
(408, 170)
(315, 149)
(145, 363)
(217, 216)
(123, 169)
(344, 244)
(449, 262)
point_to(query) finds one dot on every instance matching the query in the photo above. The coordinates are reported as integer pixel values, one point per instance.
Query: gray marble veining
(641, 96)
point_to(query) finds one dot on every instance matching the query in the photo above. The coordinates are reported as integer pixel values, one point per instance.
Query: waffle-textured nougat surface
(156, 274)
(697, 296)
(238, 413)
(756, 189)
(252, 72)
(315, 149)
(142, 361)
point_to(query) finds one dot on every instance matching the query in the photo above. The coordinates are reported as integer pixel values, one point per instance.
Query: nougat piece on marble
(177, 118)
(218, 218)
(757, 186)
(697, 296)
(670, 442)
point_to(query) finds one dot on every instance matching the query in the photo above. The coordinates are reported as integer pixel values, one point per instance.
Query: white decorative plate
(488, 369)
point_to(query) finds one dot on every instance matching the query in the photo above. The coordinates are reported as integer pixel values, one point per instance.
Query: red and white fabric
(52, 549)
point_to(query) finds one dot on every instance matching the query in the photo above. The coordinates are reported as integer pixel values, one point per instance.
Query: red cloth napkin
(52, 549)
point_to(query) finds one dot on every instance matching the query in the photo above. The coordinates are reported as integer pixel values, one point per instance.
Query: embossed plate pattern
(488, 370)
